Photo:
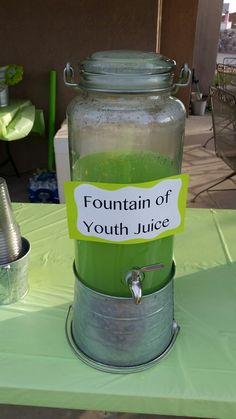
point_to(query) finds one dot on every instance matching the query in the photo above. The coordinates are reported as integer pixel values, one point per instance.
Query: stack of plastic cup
(14, 251)
(10, 236)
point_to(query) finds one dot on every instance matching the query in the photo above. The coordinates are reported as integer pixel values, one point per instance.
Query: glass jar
(124, 128)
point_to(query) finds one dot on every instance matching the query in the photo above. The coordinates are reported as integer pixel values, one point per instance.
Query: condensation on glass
(125, 126)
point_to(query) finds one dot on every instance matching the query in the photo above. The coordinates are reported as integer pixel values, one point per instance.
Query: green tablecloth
(198, 378)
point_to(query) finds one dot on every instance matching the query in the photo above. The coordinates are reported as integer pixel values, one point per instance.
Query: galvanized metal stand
(113, 334)
(14, 277)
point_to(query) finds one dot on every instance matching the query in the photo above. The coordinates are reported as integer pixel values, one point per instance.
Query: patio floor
(205, 168)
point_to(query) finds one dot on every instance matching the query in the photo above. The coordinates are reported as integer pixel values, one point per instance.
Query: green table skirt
(198, 378)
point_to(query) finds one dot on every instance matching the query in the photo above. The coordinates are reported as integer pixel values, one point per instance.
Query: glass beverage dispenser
(124, 128)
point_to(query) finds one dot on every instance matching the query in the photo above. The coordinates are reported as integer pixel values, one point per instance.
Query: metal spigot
(134, 282)
(135, 277)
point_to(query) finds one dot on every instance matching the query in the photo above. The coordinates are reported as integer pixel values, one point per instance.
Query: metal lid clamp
(184, 78)
(68, 76)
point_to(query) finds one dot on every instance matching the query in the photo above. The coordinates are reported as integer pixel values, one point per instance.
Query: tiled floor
(203, 167)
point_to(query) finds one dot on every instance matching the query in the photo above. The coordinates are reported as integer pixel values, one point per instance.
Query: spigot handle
(150, 268)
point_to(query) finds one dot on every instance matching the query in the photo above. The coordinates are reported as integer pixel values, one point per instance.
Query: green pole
(52, 115)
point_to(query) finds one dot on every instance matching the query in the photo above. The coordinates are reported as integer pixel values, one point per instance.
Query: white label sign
(120, 213)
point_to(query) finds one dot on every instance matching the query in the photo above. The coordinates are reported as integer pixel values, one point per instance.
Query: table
(197, 378)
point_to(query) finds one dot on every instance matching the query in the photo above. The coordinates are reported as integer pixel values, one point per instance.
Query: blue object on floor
(43, 188)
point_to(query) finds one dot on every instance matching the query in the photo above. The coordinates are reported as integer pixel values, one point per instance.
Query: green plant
(11, 74)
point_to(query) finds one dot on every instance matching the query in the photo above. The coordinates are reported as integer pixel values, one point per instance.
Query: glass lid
(126, 71)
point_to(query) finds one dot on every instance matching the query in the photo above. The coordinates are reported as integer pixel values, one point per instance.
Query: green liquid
(103, 266)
